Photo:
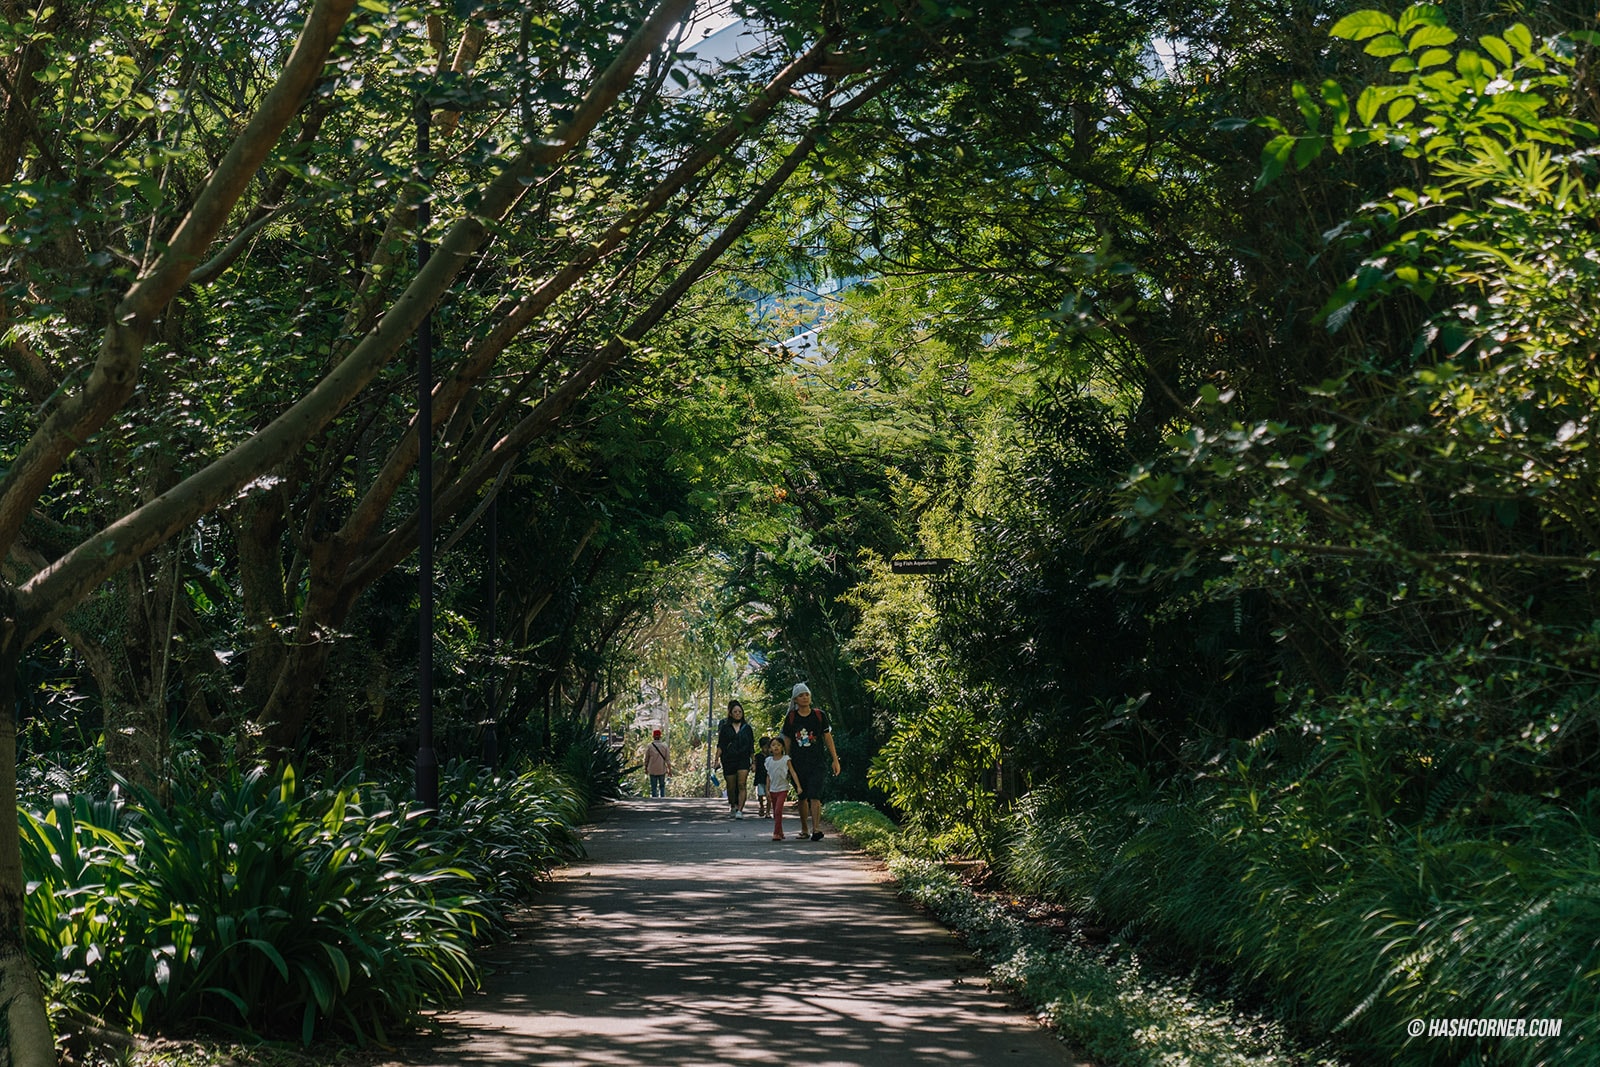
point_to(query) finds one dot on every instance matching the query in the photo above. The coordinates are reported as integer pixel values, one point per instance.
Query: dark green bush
(1106, 1002)
(598, 770)
(506, 831)
(1301, 878)
(864, 824)
(245, 901)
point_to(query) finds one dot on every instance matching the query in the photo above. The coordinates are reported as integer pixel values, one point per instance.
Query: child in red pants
(779, 774)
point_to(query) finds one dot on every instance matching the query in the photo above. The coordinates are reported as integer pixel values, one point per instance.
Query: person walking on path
(763, 747)
(736, 742)
(657, 765)
(779, 772)
(806, 733)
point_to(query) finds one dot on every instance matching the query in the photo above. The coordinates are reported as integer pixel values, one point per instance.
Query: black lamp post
(491, 738)
(711, 714)
(427, 761)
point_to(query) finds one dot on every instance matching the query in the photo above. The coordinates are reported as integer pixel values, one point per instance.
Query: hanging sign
(933, 565)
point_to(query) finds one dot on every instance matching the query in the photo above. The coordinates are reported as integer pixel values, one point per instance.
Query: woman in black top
(736, 742)
(808, 741)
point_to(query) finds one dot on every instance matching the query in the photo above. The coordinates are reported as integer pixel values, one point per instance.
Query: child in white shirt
(779, 774)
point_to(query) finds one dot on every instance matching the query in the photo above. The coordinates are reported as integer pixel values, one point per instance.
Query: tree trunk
(328, 603)
(134, 729)
(135, 716)
(548, 705)
(29, 1041)
(259, 524)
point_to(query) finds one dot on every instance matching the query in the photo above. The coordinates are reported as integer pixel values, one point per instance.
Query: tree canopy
(1239, 353)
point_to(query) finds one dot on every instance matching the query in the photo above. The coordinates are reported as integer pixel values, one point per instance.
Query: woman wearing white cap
(806, 733)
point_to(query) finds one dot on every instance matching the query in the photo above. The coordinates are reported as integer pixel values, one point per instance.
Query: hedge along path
(687, 937)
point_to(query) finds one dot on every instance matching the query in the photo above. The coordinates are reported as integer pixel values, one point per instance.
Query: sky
(709, 17)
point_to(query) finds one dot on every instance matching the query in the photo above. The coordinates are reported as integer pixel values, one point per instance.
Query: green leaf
(1497, 155)
(1521, 39)
(1367, 104)
(1433, 57)
(232, 998)
(267, 949)
(1496, 47)
(1274, 157)
(1387, 45)
(1403, 65)
(1338, 103)
(321, 989)
(1307, 149)
(1420, 15)
(1337, 315)
(1431, 37)
(1361, 25)
(1308, 107)
(341, 965)
(141, 1003)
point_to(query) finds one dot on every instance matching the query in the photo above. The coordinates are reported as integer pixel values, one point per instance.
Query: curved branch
(513, 318)
(116, 369)
(72, 577)
(549, 411)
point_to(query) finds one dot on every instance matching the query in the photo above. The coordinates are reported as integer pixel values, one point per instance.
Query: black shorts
(731, 769)
(813, 779)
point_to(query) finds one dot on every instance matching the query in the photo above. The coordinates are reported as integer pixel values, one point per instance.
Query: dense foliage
(1275, 600)
(246, 900)
(1240, 354)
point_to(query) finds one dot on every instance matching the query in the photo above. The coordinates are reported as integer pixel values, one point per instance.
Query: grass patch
(865, 826)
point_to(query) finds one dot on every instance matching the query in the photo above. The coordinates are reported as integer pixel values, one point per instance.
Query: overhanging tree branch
(512, 316)
(66, 581)
(548, 413)
(116, 369)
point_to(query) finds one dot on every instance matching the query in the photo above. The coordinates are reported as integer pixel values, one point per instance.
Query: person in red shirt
(657, 765)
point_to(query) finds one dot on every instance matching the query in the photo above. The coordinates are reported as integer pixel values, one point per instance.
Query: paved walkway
(687, 938)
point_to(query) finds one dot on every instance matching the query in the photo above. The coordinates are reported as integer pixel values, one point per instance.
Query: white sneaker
(738, 815)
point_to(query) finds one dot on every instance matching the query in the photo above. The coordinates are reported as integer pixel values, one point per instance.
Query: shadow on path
(690, 938)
